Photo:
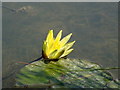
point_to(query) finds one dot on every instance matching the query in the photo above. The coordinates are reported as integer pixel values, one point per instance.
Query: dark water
(94, 27)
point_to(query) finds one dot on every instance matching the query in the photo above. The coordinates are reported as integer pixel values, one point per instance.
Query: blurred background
(25, 26)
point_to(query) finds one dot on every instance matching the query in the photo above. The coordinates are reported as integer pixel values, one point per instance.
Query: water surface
(94, 27)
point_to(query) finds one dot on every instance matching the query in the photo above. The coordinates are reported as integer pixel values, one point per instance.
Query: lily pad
(64, 73)
(114, 84)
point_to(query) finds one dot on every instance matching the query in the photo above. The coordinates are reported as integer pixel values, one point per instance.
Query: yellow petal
(47, 51)
(58, 54)
(58, 37)
(66, 53)
(49, 36)
(69, 45)
(55, 45)
(65, 40)
(49, 42)
(51, 56)
(44, 49)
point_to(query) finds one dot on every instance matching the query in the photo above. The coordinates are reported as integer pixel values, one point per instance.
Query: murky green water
(94, 27)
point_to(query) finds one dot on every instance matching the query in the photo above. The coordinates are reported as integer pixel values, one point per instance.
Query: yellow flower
(54, 48)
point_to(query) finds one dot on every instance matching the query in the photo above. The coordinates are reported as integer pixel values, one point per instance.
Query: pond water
(25, 26)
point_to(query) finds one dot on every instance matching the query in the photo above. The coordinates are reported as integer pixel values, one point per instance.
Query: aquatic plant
(65, 73)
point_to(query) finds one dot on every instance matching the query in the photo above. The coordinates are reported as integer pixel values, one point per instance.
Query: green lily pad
(64, 73)
(114, 84)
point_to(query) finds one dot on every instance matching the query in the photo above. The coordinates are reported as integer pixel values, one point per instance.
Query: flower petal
(58, 37)
(49, 36)
(66, 53)
(56, 54)
(65, 40)
(69, 45)
(51, 56)
(44, 50)
(49, 42)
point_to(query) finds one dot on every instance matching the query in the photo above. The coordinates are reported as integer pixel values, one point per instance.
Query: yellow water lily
(54, 48)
